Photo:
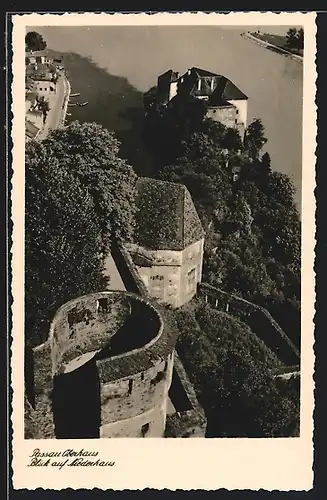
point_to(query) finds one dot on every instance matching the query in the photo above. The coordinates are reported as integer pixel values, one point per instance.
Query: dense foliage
(295, 38)
(34, 41)
(233, 374)
(72, 212)
(253, 230)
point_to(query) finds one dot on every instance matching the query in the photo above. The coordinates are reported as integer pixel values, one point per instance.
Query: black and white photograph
(162, 240)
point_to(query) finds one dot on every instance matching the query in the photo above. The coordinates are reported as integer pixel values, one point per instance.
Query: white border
(284, 464)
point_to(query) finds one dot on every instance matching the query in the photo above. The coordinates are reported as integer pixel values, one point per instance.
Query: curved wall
(113, 357)
(136, 406)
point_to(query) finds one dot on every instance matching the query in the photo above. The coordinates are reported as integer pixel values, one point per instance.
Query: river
(131, 58)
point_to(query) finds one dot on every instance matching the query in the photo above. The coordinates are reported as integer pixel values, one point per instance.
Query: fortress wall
(126, 383)
(225, 115)
(258, 318)
(168, 291)
(168, 277)
(130, 403)
(82, 327)
(148, 424)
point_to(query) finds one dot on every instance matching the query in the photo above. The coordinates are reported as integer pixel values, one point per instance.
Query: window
(157, 286)
(102, 305)
(130, 386)
(191, 281)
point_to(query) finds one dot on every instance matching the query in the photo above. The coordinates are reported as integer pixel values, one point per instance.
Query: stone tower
(107, 367)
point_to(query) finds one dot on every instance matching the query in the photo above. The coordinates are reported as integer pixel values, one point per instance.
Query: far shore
(270, 46)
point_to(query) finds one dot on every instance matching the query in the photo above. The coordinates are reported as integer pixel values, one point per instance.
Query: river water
(131, 58)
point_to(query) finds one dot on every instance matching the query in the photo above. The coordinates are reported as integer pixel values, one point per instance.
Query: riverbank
(65, 102)
(270, 46)
(108, 75)
(58, 108)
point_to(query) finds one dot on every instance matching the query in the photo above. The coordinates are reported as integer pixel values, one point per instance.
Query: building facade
(168, 250)
(225, 102)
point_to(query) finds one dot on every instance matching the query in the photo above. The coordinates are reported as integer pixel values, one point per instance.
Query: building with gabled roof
(169, 240)
(225, 102)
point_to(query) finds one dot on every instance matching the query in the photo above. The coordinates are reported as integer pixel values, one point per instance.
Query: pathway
(110, 270)
(56, 108)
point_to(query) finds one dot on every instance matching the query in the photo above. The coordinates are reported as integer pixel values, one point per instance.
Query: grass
(278, 41)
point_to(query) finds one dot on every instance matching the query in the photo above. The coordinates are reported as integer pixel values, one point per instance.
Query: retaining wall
(258, 318)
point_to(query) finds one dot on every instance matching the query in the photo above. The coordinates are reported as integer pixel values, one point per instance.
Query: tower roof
(166, 217)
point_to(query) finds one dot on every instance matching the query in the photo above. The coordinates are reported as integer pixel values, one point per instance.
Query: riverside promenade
(268, 45)
(58, 108)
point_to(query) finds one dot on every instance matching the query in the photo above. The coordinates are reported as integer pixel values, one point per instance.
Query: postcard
(163, 175)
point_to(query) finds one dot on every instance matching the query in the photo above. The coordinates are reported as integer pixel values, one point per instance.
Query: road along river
(137, 55)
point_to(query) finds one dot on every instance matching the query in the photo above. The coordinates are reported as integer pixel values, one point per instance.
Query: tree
(291, 38)
(34, 41)
(266, 163)
(255, 138)
(232, 140)
(232, 372)
(79, 195)
(43, 105)
(62, 244)
(300, 38)
(149, 100)
(92, 154)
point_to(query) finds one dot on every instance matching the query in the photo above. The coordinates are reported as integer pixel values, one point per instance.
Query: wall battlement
(107, 367)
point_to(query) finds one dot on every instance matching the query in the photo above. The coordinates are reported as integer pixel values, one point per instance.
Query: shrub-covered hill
(233, 375)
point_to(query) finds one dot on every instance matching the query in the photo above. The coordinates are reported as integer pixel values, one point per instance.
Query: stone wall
(191, 421)
(258, 318)
(127, 270)
(172, 276)
(104, 391)
(136, 406)
(224, 114)
(241, 106)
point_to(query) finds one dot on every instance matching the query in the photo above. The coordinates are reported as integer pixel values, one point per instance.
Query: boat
(68, 114)
(72, 104)
(83, 103)
(75, 95)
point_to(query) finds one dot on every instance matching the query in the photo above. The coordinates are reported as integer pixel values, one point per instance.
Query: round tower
(112, 362)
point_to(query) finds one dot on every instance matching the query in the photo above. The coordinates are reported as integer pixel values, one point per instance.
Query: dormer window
(212, 84)
(199, 84)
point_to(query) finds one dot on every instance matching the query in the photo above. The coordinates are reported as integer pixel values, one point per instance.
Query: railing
(258, 318)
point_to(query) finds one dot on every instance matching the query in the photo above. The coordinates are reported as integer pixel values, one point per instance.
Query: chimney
(188, 71)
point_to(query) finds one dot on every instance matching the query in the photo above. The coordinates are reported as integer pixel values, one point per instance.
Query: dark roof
(224, 89)
(203, 72)
(216, 100)
(227, 90)
(163, 86)
(31, 129)
(166, 217)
